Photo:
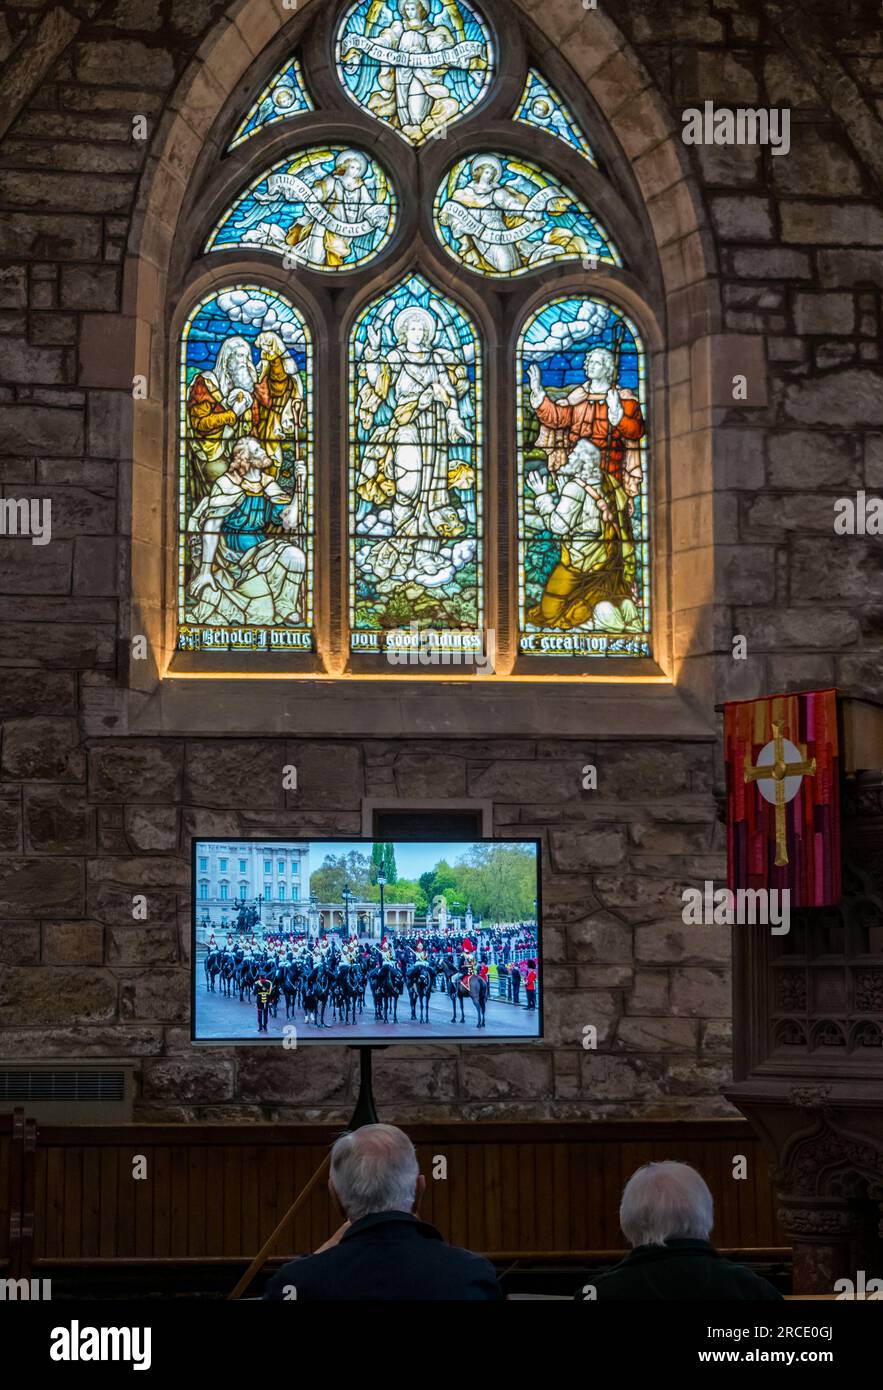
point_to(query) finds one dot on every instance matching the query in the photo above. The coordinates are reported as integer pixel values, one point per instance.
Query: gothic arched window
(413, 388)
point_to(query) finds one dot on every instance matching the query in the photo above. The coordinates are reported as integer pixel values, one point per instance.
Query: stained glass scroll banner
(415, 486)
(246, 484)
(327, 209)
(285, 96)
(417, 65)
(502, 216)
(582, 452)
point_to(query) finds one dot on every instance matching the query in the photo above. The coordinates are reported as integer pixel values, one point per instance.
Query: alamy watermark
(411, 646)
(27, 516)
(722, 125)
(721, 907)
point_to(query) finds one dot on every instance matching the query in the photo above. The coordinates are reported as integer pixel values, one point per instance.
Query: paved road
(217, 1017)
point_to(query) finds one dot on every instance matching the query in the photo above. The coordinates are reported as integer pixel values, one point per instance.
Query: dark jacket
(681, 1269)
(391, 1255)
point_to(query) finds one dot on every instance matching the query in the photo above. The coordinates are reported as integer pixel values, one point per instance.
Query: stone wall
(89, 817)
(83, 831)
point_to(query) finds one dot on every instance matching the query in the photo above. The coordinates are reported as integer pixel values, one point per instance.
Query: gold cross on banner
(777, 771)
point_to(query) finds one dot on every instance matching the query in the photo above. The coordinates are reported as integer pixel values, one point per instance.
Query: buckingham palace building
(276, 875)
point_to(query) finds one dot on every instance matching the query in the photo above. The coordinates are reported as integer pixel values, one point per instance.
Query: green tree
(389, 863)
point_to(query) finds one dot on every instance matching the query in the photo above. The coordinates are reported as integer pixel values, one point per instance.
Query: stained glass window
(418, 65)
(416, 523)
(501, 215)
(327, 209)
(584, 579)
(541, 106)
(285, 96)
(246, 527)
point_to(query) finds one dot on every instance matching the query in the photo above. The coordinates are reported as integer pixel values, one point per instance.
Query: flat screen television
(365, 941)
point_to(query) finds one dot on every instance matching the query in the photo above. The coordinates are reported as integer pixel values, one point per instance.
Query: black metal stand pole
(365, 1112)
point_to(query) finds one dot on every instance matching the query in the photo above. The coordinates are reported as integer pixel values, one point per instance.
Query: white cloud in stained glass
(285, 96)
(541, 106)
(328, 209)
(583, 505)
(415, 492)
(245, 473)
(417, 65)
(501, 215)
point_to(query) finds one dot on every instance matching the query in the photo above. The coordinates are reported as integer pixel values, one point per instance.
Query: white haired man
(666, 1215)
(594, 579)
(383, 1251)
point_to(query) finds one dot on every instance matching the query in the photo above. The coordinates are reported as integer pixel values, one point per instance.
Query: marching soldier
(263, 989)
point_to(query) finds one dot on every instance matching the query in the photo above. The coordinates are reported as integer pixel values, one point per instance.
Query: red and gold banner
(783, 796)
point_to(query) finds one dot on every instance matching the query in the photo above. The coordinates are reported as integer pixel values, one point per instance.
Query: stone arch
(652, 156)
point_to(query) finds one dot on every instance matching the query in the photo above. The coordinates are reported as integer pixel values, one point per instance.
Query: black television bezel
(482, 1040)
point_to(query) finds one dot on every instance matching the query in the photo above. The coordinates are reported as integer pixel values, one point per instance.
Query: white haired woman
(666, 1215)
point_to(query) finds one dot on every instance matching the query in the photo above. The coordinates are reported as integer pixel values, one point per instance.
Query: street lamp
(381, 883)
(347, 898)
(311, 914)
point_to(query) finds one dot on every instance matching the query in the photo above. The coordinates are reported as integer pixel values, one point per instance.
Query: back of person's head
(666, 1201)
(374, 1169)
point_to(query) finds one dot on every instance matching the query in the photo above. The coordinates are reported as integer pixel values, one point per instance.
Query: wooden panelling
(215, 1193)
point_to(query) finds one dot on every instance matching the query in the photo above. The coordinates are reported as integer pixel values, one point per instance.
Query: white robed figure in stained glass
(245, 576)
(406, 463)
(328, 209)
(417, 65)
(414, 488)
(503, 216)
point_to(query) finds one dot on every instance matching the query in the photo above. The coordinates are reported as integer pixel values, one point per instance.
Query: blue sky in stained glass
(504, 216)
(285, 96)
(416, 65)
(541, 106)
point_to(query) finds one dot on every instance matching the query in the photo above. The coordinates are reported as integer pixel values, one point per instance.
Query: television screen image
(361, 941)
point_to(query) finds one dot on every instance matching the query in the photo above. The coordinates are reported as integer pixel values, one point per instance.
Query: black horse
(388, 991)
(316, 995)
(452, 989)
(348, 990)
(246, 975)
(420, 990)
(212, 969)
(478, 990)
(228, 974)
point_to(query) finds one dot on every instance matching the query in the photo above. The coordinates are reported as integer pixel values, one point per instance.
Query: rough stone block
(61, 995)
(698, 992)
(568, 1014)
(830, 224)
(847, 399)
(159, 995)
(58, 821)
(599, 937)
(204, 1078)
(657, 1035)
(238, 773)
(89, 287)
(508, 1074)
(37, 750)
(143, 943)
(19, 945)
(819, 314)
(152, 828)
(807, 460)
(743, 217)
(136, 770)
(73, 943)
